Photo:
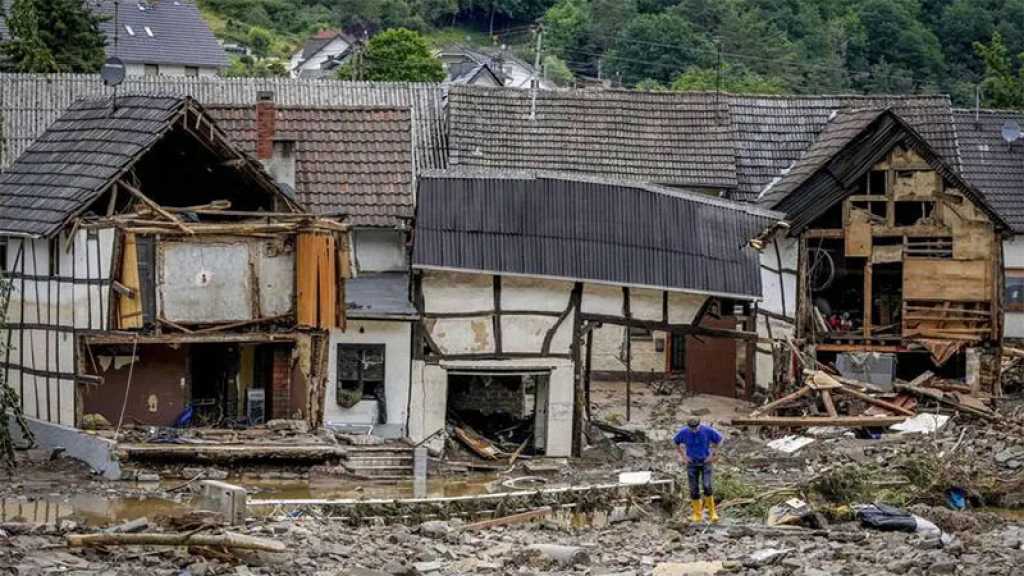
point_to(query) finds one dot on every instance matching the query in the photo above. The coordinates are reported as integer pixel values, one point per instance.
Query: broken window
(911, 213)
(360, 373)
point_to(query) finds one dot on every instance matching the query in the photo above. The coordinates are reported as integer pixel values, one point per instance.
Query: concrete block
(227, 499)
(98, 453)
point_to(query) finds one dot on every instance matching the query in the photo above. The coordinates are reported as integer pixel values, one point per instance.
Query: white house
(322, 53)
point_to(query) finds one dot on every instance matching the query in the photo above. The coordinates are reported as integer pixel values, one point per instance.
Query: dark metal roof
(378, 295)
(602, 231)
(179, 33)
(352, 160)
(991, 164)
(666, 138)
(84, 151)
(319, 41)
(845, 151)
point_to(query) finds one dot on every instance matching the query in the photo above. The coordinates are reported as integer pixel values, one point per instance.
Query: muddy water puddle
(92, 510)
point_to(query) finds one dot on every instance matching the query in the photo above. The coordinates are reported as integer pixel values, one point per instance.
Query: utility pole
(535, 84)
(718, 72)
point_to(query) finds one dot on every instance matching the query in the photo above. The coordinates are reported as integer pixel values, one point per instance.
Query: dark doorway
(214, 374)
(508, 409)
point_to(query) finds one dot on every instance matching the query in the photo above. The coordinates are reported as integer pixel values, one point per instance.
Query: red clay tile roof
(352, 160)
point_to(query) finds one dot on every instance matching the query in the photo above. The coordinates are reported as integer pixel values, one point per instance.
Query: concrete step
(380, 461)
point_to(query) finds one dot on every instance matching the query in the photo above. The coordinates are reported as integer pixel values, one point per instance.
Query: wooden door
(711, 362)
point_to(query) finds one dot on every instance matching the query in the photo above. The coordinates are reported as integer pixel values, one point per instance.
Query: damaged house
(356, 162)
(159, 275)
(516, 272)
(897, 258)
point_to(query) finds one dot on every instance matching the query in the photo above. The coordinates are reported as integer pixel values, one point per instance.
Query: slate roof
(318, 41)
(846, 149)
(989, 163)
(81, 154)
(735, 143)
(835, 136)
(348, 160)
(772, 132)
(179, 33)
(603, 231)
(664, 138)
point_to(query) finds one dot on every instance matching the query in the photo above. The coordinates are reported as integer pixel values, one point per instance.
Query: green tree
(249, 67)
(657, 46)
(649, 85)
(734, 79)
(25, 50)
(566, 29)
(71, 30)
(260, 40)
(891, 38)
(557, 71)
(963, 23)
(1002, 87)
(396, 55)
(437, 12)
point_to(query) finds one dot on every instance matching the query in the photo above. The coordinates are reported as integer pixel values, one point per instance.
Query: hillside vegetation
(791, 46)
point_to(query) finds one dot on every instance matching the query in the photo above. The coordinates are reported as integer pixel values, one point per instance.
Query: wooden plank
(305, 280)
(886, 253)
(519, 518)
(129, 307)
(826, 399)
(876, 401)
(868, 298)
(771, 406)
(947, 280)
(809, 421)
(327, 281)
(858, 235)
(155, 207)
(859, 348)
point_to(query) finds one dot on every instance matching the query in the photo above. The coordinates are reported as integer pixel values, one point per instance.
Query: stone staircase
(393, 462)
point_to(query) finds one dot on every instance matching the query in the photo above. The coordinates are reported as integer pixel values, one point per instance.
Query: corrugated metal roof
(601, 231)
(81, 153)
(990, 163)
(352, 160)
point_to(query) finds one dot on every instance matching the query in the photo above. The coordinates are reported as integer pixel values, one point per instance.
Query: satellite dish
(112, 71)
(1011, 131)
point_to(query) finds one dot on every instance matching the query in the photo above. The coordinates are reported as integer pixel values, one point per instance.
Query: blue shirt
(698, 442)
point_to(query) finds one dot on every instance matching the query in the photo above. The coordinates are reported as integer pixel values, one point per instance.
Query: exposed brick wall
(280, 383)
(505, 395)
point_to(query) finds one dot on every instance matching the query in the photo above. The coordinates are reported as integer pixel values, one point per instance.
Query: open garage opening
(507, 409)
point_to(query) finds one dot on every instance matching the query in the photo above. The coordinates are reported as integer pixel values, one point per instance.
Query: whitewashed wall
(779, 261)
(44, 310)
(397, 340)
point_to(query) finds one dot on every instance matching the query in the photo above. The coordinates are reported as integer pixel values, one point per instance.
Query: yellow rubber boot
(698, 511)
(709, 503)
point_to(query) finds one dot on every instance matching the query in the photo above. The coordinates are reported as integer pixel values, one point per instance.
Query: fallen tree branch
(225, 540)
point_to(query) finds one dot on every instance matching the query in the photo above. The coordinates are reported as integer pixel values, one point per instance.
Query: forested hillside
(799, 46)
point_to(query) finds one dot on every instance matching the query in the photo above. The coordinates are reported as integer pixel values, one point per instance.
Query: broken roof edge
(676, 289)
(185, 103)
(916, 141)
(464, 173)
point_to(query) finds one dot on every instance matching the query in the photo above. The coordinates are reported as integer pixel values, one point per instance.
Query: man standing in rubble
(696, 444)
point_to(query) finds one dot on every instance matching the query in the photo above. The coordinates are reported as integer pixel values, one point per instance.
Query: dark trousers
(698, 474)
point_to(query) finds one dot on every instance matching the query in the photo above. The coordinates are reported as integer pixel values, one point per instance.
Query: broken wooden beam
(225, 540)
(951, 402)
(771, 406)
(895, 408)
(154, 206)
(809, 421)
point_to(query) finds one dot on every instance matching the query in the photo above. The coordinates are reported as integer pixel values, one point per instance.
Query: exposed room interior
(507, 408)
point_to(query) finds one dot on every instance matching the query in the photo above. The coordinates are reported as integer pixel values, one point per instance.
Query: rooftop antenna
(1011, 131)
(113, 69)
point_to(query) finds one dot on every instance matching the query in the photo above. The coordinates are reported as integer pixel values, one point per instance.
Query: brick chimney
(266, 123)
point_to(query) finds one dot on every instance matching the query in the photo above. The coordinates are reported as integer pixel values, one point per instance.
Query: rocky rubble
(640, 548)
